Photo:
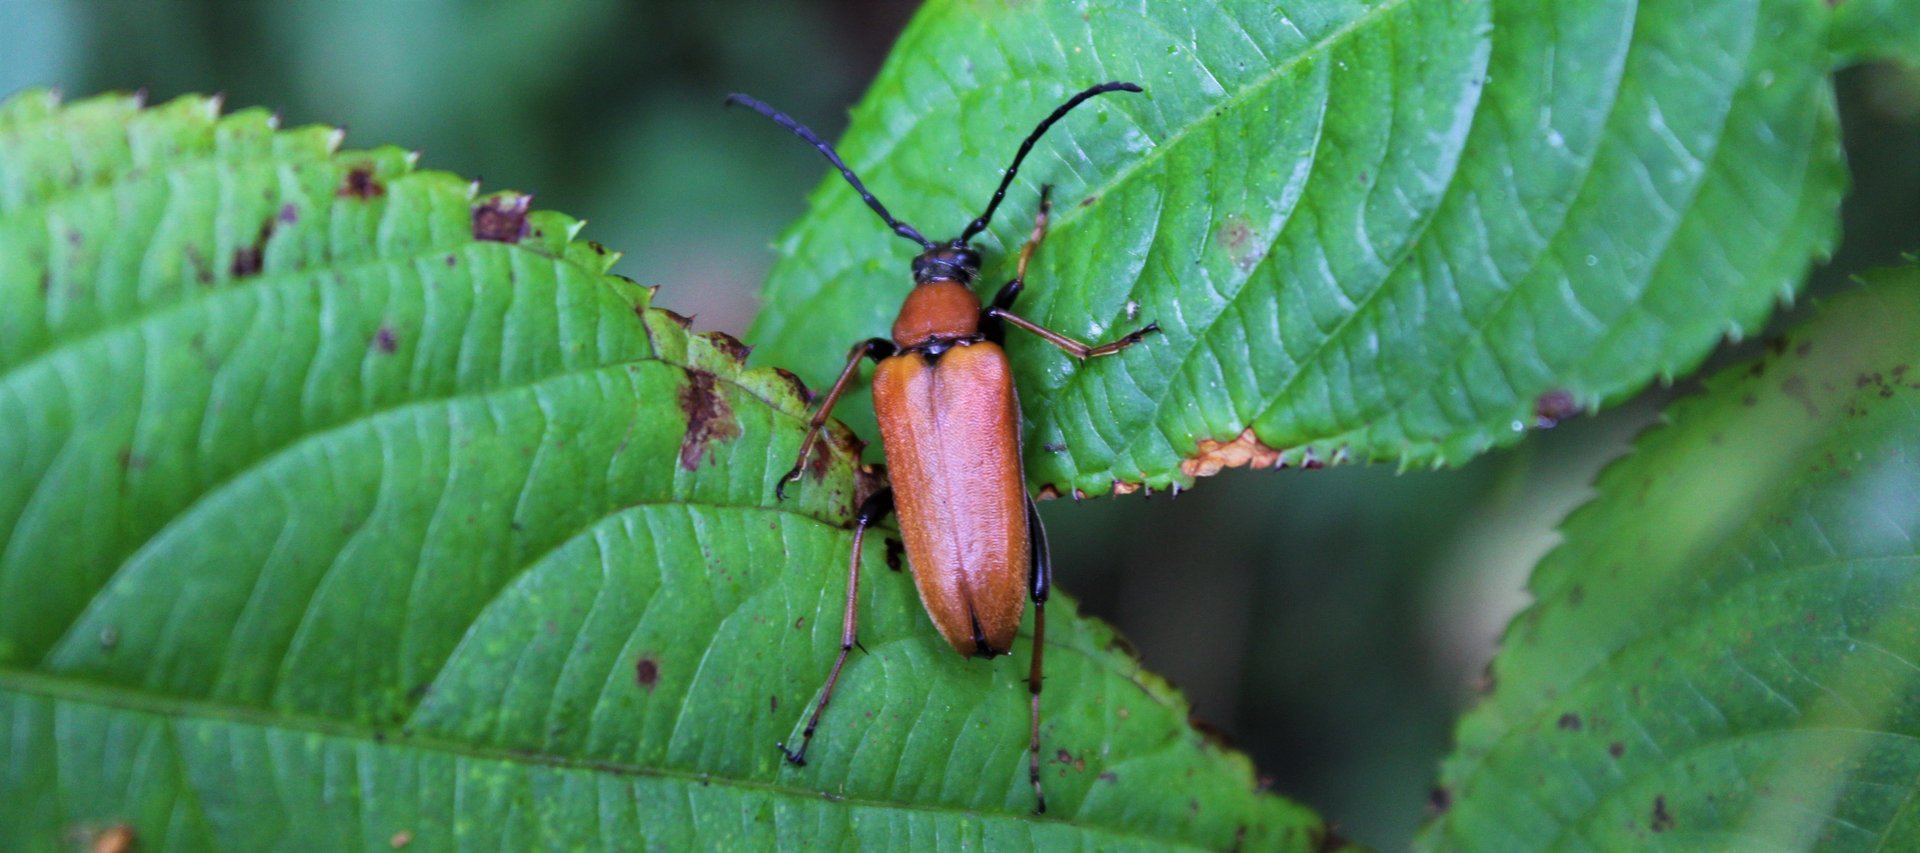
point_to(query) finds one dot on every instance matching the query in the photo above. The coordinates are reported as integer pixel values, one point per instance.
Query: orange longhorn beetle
(950, 425)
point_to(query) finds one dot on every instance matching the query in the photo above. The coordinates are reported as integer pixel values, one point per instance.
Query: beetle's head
(955, 261)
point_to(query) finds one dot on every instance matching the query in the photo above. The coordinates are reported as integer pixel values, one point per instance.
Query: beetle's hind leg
(875, 508)
(1040, 577)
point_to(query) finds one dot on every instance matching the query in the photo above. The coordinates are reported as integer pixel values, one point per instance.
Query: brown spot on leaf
(794, 382)
(384, 341)
(501, 219)
(730, 345)
(401, 839)
(1551, 408)
(1237, 238)
(1211, 734)
(202, 273)
(361, 184)
(1120, 488)
(131, 461)
(247, 260)
(773, 704)
(1795, 386)
(1662, 821)
(647, 672)
(1569, 722)
(1246, 449)
(1234, 232)
(1439, 800)
(1616, 749)
(1048, 492)
(867, 479)
(709, 418)
(678, 318)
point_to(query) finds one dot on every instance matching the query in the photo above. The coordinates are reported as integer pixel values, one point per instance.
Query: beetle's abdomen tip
(983, 647)
(982, 650)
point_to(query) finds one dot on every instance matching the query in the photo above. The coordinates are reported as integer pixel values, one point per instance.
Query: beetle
(950, 425)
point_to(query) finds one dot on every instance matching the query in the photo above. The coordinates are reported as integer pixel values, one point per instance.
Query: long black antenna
(800, 130)
(979, 225)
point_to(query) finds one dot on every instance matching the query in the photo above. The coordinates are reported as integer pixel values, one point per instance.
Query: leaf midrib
(139, 700)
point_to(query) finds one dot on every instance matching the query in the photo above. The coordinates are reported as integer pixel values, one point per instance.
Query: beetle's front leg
(999, 313)
(990, 325)
(874, 348)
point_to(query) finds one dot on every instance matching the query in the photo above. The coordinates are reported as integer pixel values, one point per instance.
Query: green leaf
(1723, 651)
(338, 501)
(1403, 230)
(1877, 29)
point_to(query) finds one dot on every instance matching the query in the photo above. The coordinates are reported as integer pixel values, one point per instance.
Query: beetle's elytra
(950, 424)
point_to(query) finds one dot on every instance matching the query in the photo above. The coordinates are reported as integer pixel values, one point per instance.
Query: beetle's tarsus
(780, 488)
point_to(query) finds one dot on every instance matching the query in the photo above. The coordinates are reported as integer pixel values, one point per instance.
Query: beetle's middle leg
(991, 325)
(872, 510)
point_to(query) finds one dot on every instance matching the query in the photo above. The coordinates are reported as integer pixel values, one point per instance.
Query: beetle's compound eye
(970, 260)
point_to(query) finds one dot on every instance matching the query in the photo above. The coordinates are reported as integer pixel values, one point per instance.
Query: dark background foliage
(1331, 622)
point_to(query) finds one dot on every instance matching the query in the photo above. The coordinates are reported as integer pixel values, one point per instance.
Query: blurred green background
(1332, 622)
